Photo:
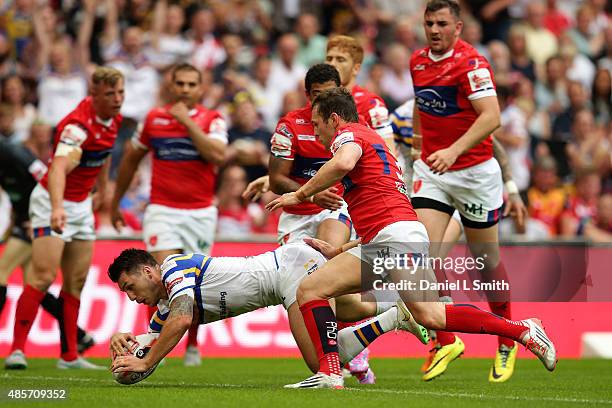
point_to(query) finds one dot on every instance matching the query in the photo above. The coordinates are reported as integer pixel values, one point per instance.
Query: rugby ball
(139, 348)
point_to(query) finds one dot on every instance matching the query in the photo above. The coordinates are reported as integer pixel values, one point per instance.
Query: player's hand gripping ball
(139, 349)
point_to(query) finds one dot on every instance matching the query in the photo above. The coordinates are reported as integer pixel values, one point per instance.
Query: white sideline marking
(374, 390)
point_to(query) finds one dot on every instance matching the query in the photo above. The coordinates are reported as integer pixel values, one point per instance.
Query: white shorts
(166, 228)
(79, 217)
(476, 192)
(293, 228)
(237, 285)
(397, 239)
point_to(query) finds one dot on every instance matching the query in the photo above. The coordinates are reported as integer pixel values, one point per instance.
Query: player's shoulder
(298, 116)
(365, 98)
(419, 55)
(211, 113)
(468, 58)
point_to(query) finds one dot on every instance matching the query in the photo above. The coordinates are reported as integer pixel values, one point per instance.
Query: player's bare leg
(334, 232)
(470, 319)
(302, 339)
(439, 226)
(483, 244)
(16, 252)
(46, 255)
(337, 234)
(75, 262)
(339, 276)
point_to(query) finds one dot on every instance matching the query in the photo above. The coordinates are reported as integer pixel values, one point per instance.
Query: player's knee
(307, 291)
(428, 317)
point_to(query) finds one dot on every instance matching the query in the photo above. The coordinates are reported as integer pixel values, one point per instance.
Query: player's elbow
(216, 156)
(182, 323)
(275, 184)
(344, 165)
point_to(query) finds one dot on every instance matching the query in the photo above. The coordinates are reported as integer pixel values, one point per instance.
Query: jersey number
(380, 150)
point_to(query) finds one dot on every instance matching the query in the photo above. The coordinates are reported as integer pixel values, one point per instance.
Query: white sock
(352, 340)
(382, 307)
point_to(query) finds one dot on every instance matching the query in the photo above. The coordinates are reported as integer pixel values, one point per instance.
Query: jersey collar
(103, 122)
(436, 58)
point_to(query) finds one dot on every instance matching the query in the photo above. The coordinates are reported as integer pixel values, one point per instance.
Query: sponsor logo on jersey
(419, 67)
(308, 138)
(438, 100)
(160, 121)
(173, 283)
(480, 80)
(341, 139)
(300, 121)
(281, 141)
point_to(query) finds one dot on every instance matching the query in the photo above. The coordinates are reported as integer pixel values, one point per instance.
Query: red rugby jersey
(294, 139)
(374, 190)
(444, 86)
(95, 137)
(181, 178)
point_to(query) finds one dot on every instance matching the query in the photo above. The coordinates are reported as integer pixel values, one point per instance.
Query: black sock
(54, 307)
(2, 297)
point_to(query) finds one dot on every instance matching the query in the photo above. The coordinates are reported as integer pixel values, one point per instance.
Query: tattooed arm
(177, 323)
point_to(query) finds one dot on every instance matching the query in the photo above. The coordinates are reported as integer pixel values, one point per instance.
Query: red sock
(323, 330)
(444, 337)
(71, 307)
(502, 309)
(344, 325)
(192, 335)
(470, 319)
(27, 308)
(499, 301)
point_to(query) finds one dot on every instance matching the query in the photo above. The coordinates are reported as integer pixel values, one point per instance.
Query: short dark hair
(320, 74)
(338, 100)
(435, 5)
(183, 66)
(128, 262)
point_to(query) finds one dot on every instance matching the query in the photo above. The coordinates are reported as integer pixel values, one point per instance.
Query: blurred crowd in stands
(552, 61)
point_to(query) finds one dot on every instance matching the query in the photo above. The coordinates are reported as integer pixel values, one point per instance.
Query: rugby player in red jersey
(346, 54)
(62, 215)
(456, 111)
(188, 143)
(384, 219)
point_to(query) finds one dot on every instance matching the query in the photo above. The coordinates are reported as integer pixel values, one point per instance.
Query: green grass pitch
(258, 382)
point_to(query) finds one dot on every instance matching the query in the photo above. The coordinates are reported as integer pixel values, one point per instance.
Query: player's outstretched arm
(176, 325)
(329, 251)
(328, 175)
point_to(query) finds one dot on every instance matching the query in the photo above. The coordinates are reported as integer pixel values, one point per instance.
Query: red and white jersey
(181, 178)
(444, 87)
(374, 190)
(96, 137)
(373, 110)
(294, 139)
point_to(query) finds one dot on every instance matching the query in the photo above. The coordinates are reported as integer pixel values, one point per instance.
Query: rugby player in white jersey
(194, 286)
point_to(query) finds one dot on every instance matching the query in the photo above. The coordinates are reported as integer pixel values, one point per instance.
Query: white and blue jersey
(401, 123)
(224, 287)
